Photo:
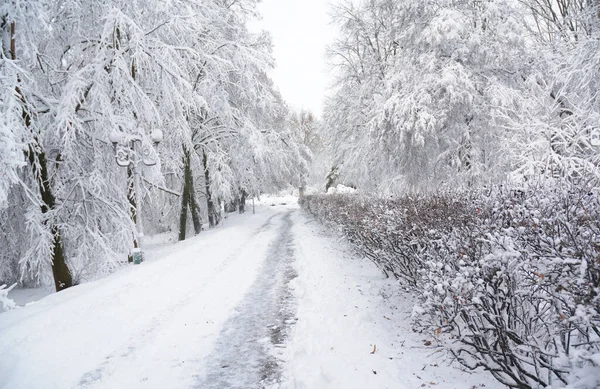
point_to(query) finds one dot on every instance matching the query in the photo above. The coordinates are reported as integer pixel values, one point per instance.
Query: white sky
(300, 29)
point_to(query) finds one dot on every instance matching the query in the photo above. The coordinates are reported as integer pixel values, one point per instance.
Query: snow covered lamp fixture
(156, 136)
(126, 155)
(115, 137)
(125, 150)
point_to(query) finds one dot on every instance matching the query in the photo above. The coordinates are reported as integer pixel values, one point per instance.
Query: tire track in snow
(245, 355)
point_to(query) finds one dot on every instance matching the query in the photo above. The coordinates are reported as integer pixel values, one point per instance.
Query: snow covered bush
(512, 277)
(4, 300)
(391, 232)
(521, 292)
(341, 189)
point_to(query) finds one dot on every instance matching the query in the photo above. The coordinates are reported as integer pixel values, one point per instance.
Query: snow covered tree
(115, 68)
(554, 120)
(22, 105)
(416, 105)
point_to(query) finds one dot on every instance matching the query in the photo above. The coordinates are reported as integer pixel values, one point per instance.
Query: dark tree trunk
(132, 205)
(60, 271)
(242, 206)
(217, 211)
(185, 196)
(131, 195)
(188, 199)
(331, 177)
(194, 207)
(212, 216)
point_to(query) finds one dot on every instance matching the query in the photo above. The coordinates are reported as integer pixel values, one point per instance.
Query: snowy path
(270, 300)
(243, 356)
(347, 310)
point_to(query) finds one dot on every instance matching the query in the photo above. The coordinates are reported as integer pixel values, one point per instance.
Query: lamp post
(126, 156)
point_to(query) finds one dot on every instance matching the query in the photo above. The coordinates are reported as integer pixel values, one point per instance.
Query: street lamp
(126, 156)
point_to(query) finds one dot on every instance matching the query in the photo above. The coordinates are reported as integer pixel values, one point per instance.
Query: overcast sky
(300, 29)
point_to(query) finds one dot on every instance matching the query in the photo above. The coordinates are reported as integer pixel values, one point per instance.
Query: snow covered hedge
(512, 276)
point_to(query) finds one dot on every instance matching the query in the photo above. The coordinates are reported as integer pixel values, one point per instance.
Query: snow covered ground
(353, 328)
(270, 300)
(25, 296)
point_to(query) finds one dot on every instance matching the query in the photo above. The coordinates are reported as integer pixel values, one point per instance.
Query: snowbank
(341, 189)
(7, 303)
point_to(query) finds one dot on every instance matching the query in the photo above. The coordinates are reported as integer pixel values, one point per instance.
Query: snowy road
(270, 300)
(244, 355)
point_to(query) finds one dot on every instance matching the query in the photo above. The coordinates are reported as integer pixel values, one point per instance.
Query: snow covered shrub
(512, 276)
(397, 234)
(521, 295)
(7, 303)
(341, 189)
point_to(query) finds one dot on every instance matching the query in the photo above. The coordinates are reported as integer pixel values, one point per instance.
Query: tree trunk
(188, 199)
(185, 195)
(212, 219)
(194, 207)
(60, 271)
(217, 210)
(242, 206)
(331, 177)
(131, 195)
